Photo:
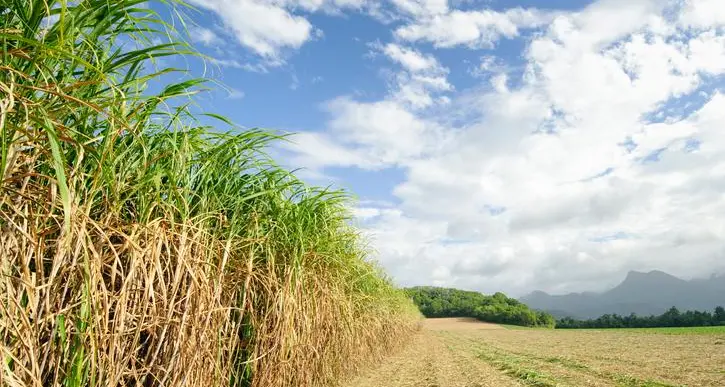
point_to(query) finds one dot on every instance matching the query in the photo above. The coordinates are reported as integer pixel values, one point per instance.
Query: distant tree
(672, 318)
(498, 308)
(545, 320)
(719, 316)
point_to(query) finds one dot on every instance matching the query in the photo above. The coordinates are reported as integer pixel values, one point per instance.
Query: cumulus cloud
(472, 28)
(410, 59)
(384, 133)
(422, 8)
(606, 156)
(268, 27)
(367, 135)
(385, 127)
(315, 150)
(262, 27)
(421, 80)
(702, 14)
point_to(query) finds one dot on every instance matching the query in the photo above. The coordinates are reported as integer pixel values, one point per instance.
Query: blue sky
(494, 145)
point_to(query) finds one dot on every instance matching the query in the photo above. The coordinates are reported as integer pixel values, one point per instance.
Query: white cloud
(422, 79)
(295, 83)
(233, 63)
(488, 66)
(315, 150)
(608, 156)
(596, 26)
(269, 27)
(479, 29)
(422, 8)
(322, 5)
(204, 36)
(388, 131)
(410, 59)
(365, 213)
(372, 135)
(703, 13)
(264, 28)
(365, 135)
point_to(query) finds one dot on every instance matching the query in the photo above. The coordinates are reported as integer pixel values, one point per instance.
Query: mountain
(649, 293)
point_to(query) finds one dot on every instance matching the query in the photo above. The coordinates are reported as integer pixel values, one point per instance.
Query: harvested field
(466, 353)
(459, 324)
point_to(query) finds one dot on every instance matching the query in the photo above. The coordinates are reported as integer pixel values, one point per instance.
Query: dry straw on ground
(142, 247)
(451, 352)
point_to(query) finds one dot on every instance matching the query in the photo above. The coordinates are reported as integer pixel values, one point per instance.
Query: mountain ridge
(642, 293)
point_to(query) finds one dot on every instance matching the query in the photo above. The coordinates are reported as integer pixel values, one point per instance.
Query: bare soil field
(467, 353)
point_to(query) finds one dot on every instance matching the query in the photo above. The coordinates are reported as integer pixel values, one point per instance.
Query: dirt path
(430, 362)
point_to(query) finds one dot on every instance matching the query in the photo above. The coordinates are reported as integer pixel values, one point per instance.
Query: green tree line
(497, 308)
(672, 318)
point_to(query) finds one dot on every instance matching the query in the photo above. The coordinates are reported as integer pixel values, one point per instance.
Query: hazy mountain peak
(643, 293)
(651, 273)
(651, 277)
